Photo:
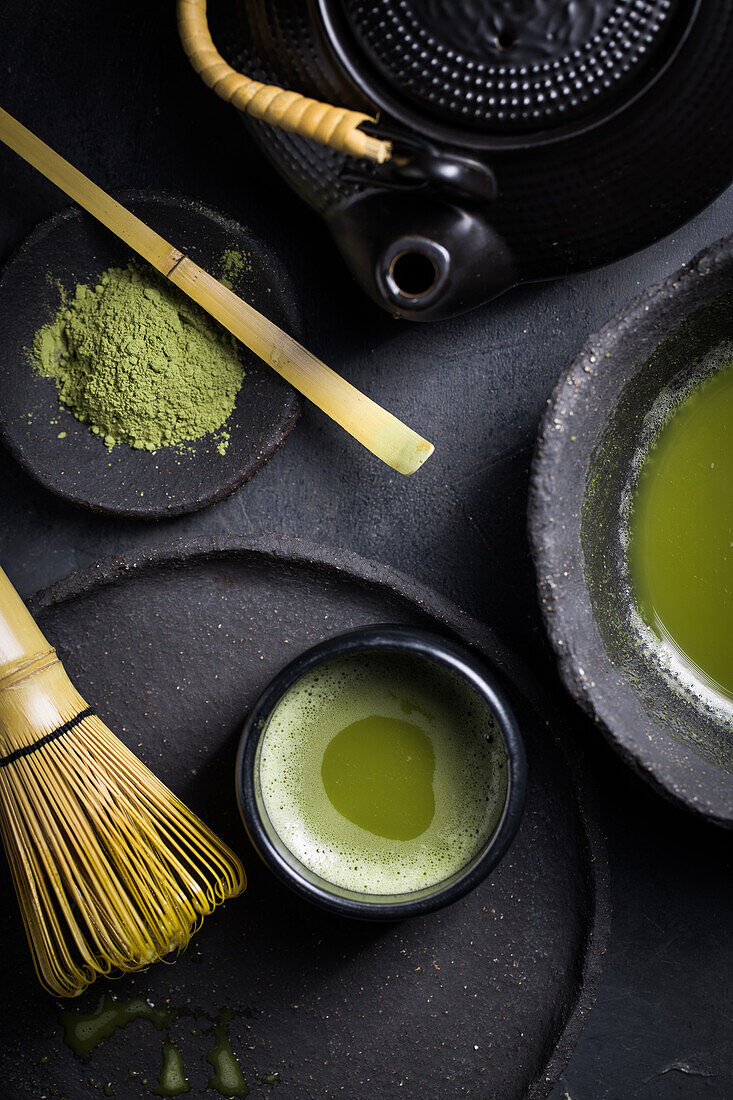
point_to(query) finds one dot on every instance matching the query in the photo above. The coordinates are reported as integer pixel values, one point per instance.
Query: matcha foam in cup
(378, 774)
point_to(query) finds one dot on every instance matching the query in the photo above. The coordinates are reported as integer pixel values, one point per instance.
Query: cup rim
(485, 681)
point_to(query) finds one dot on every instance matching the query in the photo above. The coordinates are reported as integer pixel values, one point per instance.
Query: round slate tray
(72, 248)
(486, 998)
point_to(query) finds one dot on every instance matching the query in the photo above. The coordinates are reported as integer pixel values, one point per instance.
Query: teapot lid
(504, 68)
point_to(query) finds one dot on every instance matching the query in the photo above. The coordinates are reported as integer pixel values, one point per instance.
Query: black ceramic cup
(435, 651)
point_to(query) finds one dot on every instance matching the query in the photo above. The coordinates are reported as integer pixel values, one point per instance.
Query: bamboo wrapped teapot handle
(334, 126)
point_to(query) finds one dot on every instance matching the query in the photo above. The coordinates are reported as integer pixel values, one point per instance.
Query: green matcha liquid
(383, 774)
(681, 551)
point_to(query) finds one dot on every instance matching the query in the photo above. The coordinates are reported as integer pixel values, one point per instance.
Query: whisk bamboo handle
(21, 642)
(322, 122)
(378, 430)
(31, 680)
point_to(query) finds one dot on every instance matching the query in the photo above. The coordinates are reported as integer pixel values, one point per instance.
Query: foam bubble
(470, 782)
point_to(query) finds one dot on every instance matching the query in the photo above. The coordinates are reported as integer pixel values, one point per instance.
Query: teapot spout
(420, 257)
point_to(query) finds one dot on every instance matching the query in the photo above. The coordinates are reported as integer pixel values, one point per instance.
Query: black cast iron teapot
(481, 143)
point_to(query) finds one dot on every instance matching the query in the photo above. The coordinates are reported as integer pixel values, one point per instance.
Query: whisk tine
(111, 870)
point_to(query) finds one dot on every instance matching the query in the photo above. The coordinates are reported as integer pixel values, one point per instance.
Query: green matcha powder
(139, 363)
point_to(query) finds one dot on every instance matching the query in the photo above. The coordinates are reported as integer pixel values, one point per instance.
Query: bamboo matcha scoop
(379, 431)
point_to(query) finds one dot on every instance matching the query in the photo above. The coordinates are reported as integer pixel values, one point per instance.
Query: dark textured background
(107, 84)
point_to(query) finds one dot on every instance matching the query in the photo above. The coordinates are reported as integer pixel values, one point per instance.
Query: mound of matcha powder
(139, 363)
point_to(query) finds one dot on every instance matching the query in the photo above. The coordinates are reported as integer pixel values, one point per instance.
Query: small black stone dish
(437, 653)
(587, 452)
(59, 451)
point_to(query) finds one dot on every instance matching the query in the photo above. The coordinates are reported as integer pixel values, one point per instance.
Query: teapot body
(531, 139)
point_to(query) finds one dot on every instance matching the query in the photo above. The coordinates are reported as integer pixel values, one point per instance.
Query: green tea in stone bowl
(384, 772)
(681, 545)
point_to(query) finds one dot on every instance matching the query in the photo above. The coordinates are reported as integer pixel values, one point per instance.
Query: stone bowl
(586, 455)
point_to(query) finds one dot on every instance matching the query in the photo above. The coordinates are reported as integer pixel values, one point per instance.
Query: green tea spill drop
(681, 552)
(83, 1032)
(139, 363)
(172, 1080)
(227, 1078)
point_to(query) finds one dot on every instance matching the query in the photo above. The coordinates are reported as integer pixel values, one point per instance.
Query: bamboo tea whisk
(111, 870)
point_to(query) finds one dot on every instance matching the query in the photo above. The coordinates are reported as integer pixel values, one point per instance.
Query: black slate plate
(72, 248)
(484, 999)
